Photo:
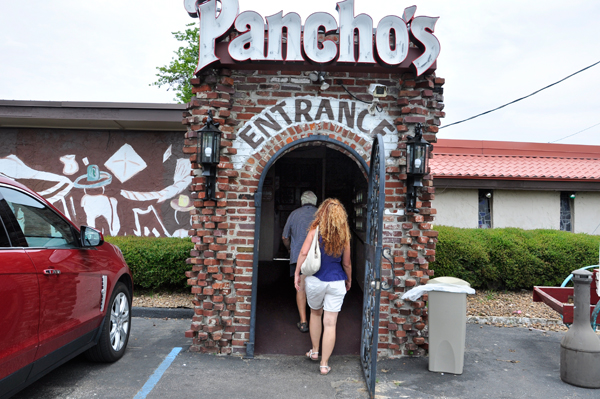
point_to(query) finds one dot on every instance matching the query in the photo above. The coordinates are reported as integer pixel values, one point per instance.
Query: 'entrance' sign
(387, 46)
(295, 111)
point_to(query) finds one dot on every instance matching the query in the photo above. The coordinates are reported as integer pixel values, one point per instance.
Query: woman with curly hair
(325, 290)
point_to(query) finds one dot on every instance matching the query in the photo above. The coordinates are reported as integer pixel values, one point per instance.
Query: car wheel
(116, 328)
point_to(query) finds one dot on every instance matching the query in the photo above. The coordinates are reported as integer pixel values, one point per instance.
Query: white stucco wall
(587, 213)
(526, 209)
(456, 207)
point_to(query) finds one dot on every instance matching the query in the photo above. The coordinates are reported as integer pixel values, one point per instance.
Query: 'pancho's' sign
(388, 46)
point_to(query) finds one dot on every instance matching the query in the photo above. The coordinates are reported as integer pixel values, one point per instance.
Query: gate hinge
(387, 254)
(257, 199)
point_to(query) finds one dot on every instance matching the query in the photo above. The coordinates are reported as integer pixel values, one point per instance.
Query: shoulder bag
(312, 263)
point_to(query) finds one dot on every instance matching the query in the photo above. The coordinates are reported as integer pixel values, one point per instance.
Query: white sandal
(326, 368)
(310, 354)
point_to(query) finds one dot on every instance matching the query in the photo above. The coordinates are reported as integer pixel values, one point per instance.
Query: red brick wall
(223, 230)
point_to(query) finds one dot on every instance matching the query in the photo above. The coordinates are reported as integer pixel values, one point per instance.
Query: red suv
(63, 290)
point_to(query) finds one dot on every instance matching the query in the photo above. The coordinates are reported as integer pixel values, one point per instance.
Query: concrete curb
(184, 313)
(512, 321)
(162, 313)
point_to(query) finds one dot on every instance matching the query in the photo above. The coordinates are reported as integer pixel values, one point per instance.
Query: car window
(10, 226)
(4, 241)
(41, 226)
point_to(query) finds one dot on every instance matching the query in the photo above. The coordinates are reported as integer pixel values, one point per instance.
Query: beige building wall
(526, 209)
(587, 213)
(456, 207)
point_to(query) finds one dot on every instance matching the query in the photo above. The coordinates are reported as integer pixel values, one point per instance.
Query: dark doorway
(328, 173)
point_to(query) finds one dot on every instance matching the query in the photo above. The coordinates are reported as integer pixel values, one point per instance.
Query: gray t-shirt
(296, 228)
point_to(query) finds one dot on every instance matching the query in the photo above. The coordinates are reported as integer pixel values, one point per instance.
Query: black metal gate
(372, 287)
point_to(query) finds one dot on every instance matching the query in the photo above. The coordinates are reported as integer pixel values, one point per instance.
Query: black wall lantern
(209, 153)
(417, 159)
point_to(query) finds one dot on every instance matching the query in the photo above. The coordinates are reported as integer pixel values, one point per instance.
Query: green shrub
(487, 258)
(460, 256)
(156, 263)
(512, 258)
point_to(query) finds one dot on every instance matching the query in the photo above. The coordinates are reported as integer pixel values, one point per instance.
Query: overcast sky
(493, 52)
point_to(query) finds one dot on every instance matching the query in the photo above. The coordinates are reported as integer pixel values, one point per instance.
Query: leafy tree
(178, 73)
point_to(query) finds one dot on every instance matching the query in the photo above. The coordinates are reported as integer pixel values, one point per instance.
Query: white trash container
(447, 326)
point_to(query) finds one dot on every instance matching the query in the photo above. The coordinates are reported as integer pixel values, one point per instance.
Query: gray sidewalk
(499, 363)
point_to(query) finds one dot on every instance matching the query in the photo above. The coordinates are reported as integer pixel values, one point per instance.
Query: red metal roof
(478, 159)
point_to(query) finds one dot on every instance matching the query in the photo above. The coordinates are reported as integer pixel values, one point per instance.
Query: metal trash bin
(447, 326)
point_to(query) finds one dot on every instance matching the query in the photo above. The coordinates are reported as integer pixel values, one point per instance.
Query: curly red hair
(332, 219)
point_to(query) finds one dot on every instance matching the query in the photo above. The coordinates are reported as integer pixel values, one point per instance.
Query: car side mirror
(90, 237)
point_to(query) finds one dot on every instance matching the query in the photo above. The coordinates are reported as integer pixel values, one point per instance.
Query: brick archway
(274, 150)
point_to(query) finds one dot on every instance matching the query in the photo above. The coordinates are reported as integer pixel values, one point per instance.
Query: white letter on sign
(348, 24)
(422, 28)
(213, 27)
(409, 13)
(190, 7)
(383, 40)
(250, 44)
(293, 23)
(311, 38)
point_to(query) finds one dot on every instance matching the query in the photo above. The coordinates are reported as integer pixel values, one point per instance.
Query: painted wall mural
(122, 183)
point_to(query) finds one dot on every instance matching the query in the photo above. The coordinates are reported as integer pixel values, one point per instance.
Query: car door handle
(51, 271)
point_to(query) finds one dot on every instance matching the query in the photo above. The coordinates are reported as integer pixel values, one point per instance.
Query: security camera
(377, 90)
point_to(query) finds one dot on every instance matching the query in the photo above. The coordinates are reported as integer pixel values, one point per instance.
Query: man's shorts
(328, 295)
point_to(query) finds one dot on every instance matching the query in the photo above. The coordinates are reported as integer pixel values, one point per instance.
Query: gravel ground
(508, 304)
(507, 309)
(512, 309)
(163, 300)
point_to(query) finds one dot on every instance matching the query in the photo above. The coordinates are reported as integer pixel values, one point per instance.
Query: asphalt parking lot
(499, 363)
(150, 342)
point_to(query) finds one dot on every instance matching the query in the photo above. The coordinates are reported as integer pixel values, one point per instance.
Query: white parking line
(154, 378)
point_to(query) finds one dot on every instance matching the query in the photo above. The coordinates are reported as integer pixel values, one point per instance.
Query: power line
(587, 128)
(522, 98)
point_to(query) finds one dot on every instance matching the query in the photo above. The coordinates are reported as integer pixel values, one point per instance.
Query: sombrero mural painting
(132, 190)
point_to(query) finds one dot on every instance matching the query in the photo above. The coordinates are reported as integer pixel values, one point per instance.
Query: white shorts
(328, 295)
